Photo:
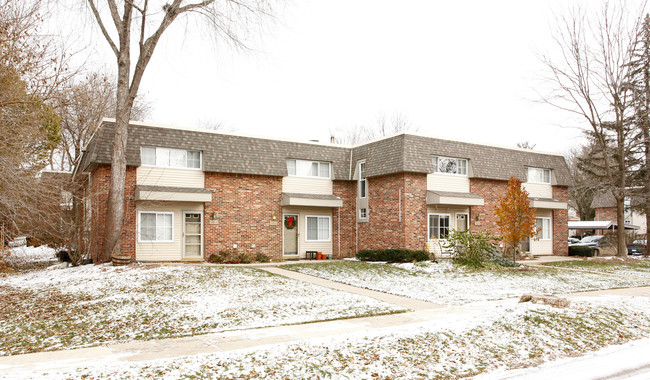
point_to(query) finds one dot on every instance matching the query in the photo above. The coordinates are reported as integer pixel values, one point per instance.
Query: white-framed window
(538, 175)
(303, 168)
(156, 226)
(318, 228)
(363, 184)
(363, 213)
(544, 228)
(170, 158)
(448, 165)
(439, 226)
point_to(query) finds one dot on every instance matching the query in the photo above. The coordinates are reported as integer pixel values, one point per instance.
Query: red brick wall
(386, 228)
(414, 215)
(347, 191)
(483, 218)
(100, 182)
(242, 211)
(606, 213)
(561, 223)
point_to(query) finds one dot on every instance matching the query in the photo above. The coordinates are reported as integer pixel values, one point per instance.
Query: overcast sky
(456, 69)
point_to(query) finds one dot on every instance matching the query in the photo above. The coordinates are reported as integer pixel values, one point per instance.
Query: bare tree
(584, 187)
(142, 24)
(526, 145)
(589, 78)
(384, 126)
(81, 105)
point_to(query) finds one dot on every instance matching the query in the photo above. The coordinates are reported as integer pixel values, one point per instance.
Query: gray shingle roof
(264, 156)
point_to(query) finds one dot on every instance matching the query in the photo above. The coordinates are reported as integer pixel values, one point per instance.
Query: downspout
(339, 232)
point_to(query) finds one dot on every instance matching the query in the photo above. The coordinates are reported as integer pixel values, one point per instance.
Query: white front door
(290, 235)
(192, 235)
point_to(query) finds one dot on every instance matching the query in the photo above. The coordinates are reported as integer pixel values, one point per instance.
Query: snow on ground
(30, 257)
(496, 336)
(447, 284)
(94, 304)
(633, 267)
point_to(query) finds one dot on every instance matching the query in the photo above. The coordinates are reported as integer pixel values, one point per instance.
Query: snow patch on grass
(447, 284)
(24, 258)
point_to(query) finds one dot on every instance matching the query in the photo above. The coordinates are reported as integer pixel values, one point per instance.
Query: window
(363, 184)
(302, 168)
(156, 226)
(438, 226)
(318, 228)
(170, 158)
(448, 165)
(363, 213)
(537, 175)
(544, 228)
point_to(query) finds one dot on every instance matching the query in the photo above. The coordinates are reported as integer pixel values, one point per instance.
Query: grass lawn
(509, 336)
(96, 304)
(635, 267)
(447, 284)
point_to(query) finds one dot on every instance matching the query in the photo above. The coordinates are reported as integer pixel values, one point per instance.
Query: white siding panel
(538, 190)
(303, 185)
(170, 177)
(172, 251)
(447, 182)
(304, 245)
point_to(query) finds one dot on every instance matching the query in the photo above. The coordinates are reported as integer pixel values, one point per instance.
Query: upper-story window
(537, 175)
(449, 165)
(302, 168)
(170, 158)
(363, 184)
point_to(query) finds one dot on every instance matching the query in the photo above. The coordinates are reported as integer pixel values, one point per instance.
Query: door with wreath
(291, 235)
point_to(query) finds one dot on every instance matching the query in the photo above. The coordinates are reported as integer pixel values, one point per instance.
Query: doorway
(291, 235)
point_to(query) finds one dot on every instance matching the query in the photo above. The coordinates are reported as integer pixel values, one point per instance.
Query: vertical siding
(303, 185)
(170, 177)
(171, 251)
(304, 245)
(447, 182)
(543, 247)
(538, 190)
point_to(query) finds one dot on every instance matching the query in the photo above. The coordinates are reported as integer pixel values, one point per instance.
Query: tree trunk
(621, 249)
(115, 207)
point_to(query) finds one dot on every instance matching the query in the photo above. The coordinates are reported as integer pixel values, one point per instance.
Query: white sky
(456, 69)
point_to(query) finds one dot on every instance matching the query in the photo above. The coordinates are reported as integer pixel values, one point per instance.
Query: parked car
(638, 247)
(573, 241)
(593, 242)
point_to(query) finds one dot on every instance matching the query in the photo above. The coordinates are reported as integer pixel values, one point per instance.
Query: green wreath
(290, 222)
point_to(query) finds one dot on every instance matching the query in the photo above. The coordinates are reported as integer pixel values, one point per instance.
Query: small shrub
(233, 256)
(392, 255)
(476, 250)
(581, 250)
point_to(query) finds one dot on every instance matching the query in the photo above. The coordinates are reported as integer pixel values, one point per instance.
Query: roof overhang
(589, 224)
(548, 203)
(314, 200)
(172, 194)
(452, 198)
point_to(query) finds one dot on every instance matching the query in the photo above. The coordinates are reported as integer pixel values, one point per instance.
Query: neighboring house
(190, 193)
(604, 205)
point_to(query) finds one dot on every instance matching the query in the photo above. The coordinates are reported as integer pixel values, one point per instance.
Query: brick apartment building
(190, 193)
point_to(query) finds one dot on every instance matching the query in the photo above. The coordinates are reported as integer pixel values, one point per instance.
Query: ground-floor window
(544, 228)
(439, 226)
(156, 226)
(318, 228)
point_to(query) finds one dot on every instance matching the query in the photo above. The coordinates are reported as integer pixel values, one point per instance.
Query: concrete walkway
(405, 302)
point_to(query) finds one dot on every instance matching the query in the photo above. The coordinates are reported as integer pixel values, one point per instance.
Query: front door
(461, 222)
(192, 239)
(291, 235)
